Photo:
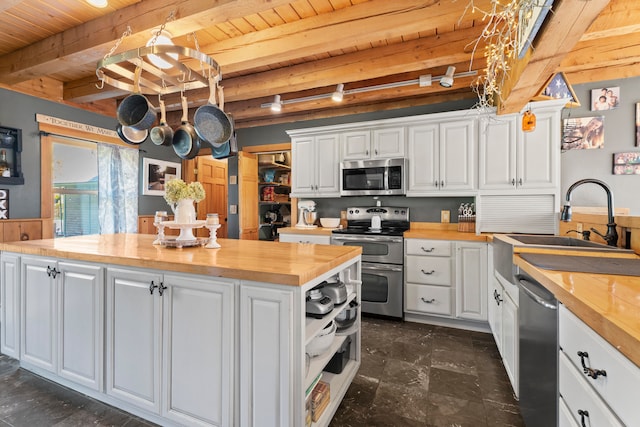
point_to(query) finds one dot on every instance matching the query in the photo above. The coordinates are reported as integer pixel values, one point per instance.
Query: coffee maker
(306, 214)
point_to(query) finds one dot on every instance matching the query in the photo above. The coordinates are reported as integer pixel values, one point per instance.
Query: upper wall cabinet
(315, 169)
(511, 159)
(10, 156)
(382, 143)
(442, 157)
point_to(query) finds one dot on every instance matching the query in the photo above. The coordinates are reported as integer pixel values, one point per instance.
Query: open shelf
(314, 326)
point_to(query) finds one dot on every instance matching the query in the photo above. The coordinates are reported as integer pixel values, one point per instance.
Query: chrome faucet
(612, 235)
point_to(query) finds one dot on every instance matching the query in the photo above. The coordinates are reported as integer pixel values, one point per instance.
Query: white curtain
(118, 189)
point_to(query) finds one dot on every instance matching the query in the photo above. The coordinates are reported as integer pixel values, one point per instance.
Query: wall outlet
(233, 209)
(445, 216)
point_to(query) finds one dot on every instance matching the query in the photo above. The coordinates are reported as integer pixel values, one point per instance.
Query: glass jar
(160, 216)
(213, 219)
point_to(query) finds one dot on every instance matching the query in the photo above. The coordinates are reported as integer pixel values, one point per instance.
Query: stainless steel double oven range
(378, 231)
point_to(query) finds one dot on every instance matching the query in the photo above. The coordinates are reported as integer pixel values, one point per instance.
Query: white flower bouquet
(176, 190)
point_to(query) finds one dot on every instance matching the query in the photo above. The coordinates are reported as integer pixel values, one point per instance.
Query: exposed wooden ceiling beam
(620, 17)
(90, 41)
(566, 25)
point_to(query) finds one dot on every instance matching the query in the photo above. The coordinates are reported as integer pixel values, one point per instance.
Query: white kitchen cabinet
(503, 321)
(381, 143)
(62, 318)
(305, 238)
(609, 391)
(171, 346)
(471, 280)
(442, 157)
(315, 165)
(511, 159)
(10, 305)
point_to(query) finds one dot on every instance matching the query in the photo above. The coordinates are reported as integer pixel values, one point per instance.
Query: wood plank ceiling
(302, 48)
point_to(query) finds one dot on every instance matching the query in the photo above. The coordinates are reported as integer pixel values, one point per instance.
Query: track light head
(276, 105)
(338, 95)
(447, 79)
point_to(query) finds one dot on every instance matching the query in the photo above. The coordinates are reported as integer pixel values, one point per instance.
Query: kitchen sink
(561, 241)
(584, 264)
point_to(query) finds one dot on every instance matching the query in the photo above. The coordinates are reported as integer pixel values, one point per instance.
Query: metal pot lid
(131, 135)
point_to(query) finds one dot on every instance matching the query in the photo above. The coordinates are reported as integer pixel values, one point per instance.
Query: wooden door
(248, 195)
(212, 174)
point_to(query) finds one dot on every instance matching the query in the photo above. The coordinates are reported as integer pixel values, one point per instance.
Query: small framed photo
(156, 173)
(605, 98)
(626, 163)
(583, 133)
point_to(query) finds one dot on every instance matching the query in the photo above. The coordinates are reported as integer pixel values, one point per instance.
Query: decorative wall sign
(583, 133)
(626, 163)
(605, 98)
(4, 204)
(156, 173)
(557, 87)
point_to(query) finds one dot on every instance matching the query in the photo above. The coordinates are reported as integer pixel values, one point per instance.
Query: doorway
(212, 174)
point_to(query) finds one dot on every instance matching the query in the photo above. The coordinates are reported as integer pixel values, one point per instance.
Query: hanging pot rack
(191, 70)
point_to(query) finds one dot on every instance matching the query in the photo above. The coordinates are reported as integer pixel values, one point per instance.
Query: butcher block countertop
(262, 261)
(609, 304)
(318, 231)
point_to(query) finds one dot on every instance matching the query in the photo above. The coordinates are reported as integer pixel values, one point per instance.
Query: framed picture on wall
(583, 133)
(626, 163)
(605, 98)
(156, 173)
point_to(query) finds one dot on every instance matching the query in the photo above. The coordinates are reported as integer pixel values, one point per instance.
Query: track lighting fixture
(161, 37)
(447, 80)
(276, 105)
(339, 93)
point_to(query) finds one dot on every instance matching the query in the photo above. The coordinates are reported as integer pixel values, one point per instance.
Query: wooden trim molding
(283, 146)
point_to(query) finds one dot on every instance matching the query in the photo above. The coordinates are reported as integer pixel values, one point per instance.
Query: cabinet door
(471, 281)
(133, 337)
(497, 152)
(388, 143)
(81, 324)
(494, 311)
(198, 356)
(327, 165)
(10, 300)
(457, 155)
(538, 153)
(38, 303)
(303, 166)
(356, 145)
(267, 357)
(510, 338)
(423, 148)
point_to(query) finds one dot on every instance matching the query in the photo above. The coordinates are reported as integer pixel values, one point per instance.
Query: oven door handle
(381, 267)
(367, 239)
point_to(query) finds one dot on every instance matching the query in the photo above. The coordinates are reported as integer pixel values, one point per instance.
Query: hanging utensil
(211, 123)
(131, 135)
(162, 134)
(186, 143)
(135, 110)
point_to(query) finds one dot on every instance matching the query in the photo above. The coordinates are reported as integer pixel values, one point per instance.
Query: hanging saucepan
(131, 135)
(135, 110)
(185, 140)
(228, 149)
(211, 123)
(162, 134)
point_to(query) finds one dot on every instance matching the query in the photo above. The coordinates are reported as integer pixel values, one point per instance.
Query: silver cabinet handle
(366, 152)
(428, 273)
(428, 301)
(437, 183)
(427, 250)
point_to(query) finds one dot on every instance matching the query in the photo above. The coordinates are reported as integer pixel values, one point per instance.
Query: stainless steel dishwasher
(538, 328)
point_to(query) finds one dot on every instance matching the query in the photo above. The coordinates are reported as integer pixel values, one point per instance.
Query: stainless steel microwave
(383, 177)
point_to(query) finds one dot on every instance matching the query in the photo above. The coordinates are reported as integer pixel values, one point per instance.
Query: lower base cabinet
(10, 304)
(171, 346)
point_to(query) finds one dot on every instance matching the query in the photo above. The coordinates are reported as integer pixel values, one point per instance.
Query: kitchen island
(189, 336)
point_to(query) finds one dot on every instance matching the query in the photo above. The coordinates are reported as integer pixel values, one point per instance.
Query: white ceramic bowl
(330, 222)
(321, 342)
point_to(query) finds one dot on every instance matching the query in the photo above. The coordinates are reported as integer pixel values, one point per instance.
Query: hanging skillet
(131, 135)
(186, 143)
(162, 134)
(211, 123)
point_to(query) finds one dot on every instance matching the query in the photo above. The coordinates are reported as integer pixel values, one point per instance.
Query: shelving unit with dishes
(338, 364)
(274, 186)
(11, 144)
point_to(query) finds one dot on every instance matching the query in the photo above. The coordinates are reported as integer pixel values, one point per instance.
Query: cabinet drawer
(428, 247)
(428, 299)
(620, 388)
(305, 238)
(565, 419)
(428, 270)
(579, 396)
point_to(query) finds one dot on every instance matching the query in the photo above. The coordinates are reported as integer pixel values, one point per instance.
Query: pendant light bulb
(338, 95)
(276, 105)
(164, 38)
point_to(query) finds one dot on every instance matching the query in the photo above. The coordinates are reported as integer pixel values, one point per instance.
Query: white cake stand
(186, 229)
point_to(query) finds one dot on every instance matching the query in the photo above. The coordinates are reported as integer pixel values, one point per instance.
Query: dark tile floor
(411, 375)
(423, 375)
